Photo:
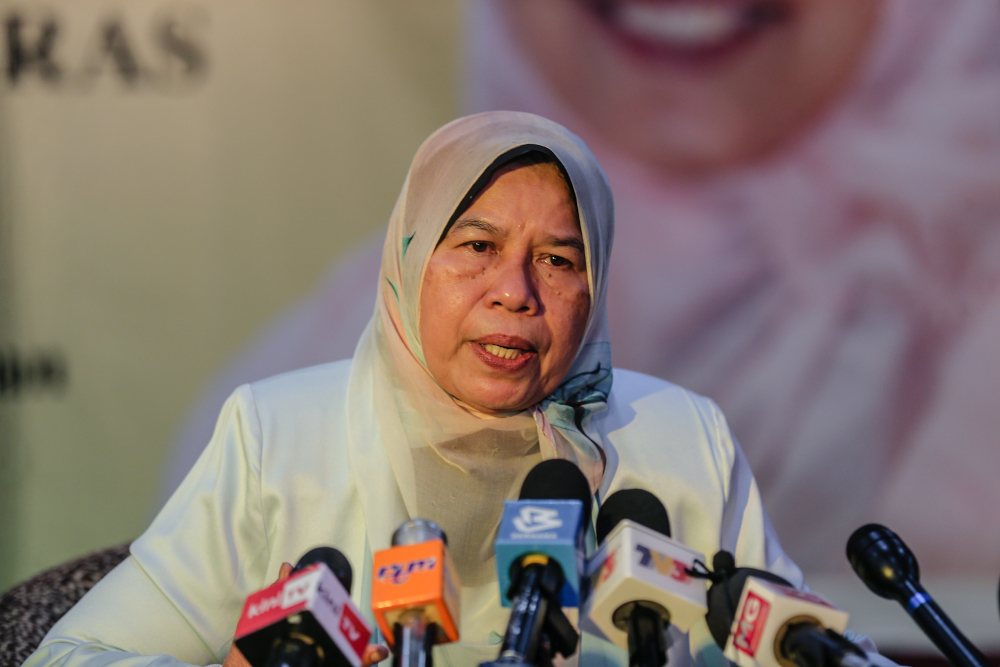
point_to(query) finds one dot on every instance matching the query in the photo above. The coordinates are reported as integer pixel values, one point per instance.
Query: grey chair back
(31, 608)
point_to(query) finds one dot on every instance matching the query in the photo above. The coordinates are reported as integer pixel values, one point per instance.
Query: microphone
(307, 620)
(640, 581)
(415, 593)
(889, 570)
(539, 556)
(761, 620)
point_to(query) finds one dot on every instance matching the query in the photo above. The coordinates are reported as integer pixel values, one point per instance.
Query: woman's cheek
(470, 267)
(581, 308)
(569, 300)
(572, 289)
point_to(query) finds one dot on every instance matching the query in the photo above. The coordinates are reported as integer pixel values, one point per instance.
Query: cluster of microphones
(637, 584)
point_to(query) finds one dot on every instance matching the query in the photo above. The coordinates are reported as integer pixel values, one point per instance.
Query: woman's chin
(498, 401)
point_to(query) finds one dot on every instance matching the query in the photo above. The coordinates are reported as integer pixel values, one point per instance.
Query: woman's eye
(479, 246)
(556, 260)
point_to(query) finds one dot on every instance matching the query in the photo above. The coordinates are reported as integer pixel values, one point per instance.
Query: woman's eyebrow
(477, 223)
(574, 242)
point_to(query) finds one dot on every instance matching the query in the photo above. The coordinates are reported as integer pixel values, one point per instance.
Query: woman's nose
(513, 287)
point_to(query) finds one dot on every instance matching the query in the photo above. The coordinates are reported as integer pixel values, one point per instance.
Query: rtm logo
(537, 519)
(751, 625)
(665, 565)
(398, 573)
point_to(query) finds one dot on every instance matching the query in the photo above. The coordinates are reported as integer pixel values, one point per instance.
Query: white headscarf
(448, 464)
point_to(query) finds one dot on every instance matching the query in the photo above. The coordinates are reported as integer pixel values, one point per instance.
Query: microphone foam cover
(557, 479)
(723, 563)
(882, 561)
(724, 597)
(333, 559)
(636, 505)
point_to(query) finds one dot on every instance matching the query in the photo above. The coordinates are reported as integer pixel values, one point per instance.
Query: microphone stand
(646, 624)
(414, 640)
(537, 630)
(808, 645)
(938, 627)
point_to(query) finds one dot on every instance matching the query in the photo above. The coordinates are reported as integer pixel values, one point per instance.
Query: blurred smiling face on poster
(505, 296)
(695, 86)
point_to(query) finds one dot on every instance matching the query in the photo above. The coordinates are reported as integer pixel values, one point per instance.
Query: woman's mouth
(506, 353)
(503, 352)
(692, 29)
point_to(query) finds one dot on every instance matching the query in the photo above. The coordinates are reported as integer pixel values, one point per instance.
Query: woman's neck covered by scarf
(816, 293)
(448, 462)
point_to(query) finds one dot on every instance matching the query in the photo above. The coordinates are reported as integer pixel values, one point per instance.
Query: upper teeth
(686, 24)
(503, 352)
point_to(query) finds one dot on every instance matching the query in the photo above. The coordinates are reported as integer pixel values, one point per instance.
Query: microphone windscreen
(557, 479)
(636, 505)
(724, 598)
(333, 559)
(882, 560)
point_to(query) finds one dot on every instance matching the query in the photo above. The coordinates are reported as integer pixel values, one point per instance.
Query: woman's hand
(374, 653)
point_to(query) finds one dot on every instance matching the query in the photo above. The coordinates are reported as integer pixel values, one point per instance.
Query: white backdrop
(172, 173)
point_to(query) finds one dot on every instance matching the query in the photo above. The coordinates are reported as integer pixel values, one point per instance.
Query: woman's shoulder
(305, 389)
(322, 377)
(651, 419)
(303, 405)
(639, 389)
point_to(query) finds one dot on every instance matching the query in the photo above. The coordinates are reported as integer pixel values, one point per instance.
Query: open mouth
(503, 352)
(688, 27)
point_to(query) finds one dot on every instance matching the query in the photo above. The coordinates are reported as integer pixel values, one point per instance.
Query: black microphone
(760, 620)
(307, 620)
(539, 553)
(333, 559)
(296, 650)
(889, 570)
(636, 505)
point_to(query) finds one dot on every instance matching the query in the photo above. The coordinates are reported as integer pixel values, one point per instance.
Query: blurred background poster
(808, 231)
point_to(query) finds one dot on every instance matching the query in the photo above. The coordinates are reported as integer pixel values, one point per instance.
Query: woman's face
(694, 86)
(505, 297)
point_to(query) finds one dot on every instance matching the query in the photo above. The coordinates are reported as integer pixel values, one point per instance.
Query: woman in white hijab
(488, 351)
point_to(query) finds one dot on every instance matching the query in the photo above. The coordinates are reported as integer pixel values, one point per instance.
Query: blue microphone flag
(550, 527)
